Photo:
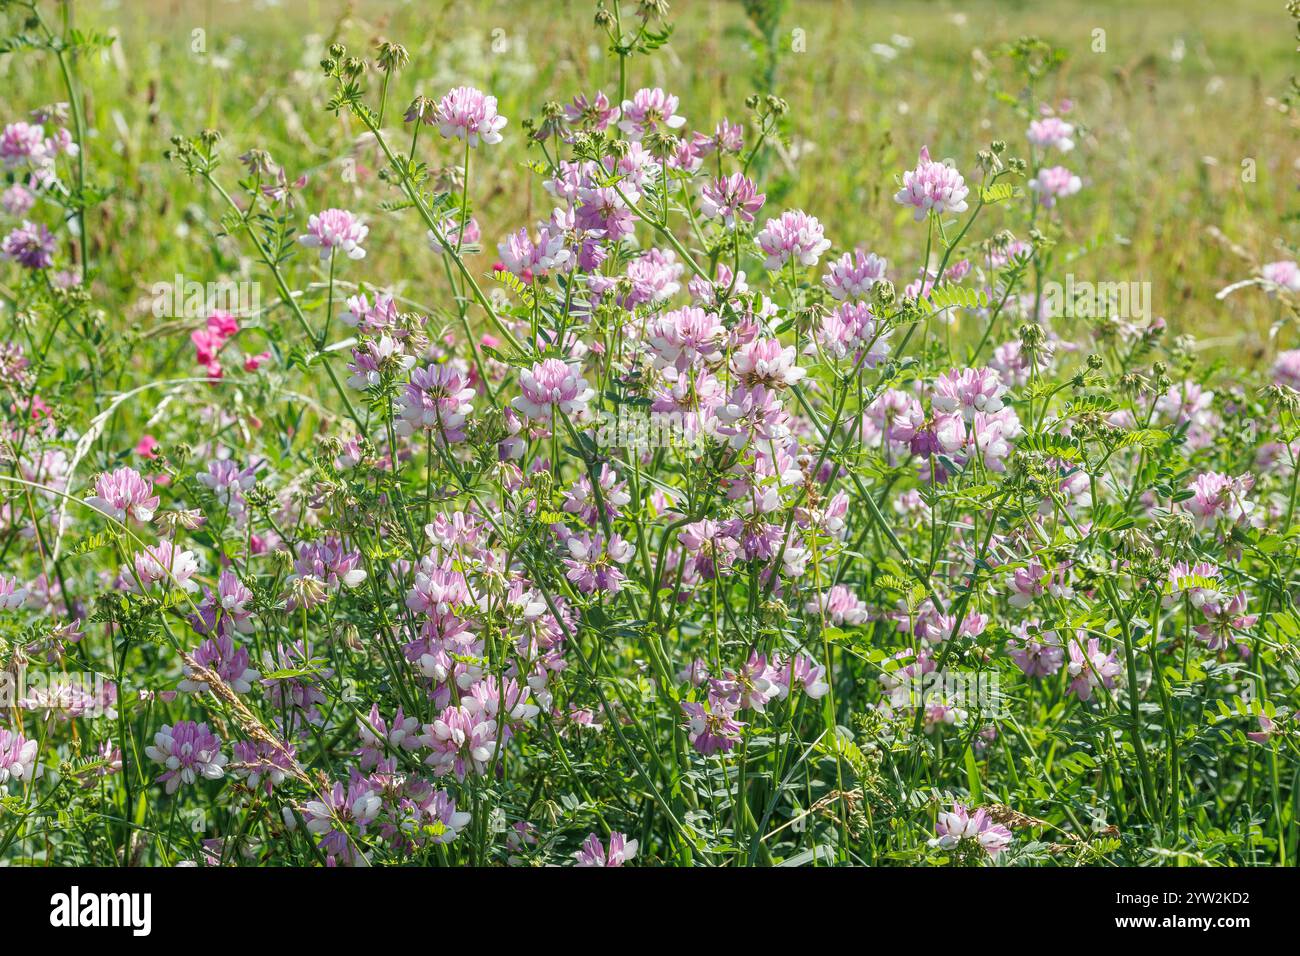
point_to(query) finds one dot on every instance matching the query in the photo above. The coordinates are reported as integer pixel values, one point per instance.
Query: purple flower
(732, 199)
(436, 399)
(1090, 668)
(794, 235)
(969, 391)
(978, 830)
(468, 114)
(335, 229)
(621, 850)
(649, 110)
(17, 758)
(262, 763)
(17, 200)
(188, 751)
(1218, 498)
(596, 113)
(1284, 274)
(853, 275)
(711, 727)
(593, 562)
(30, 245)
(552, 385)
(1054, 183)
(12, 594)
(932, 186)
(1051, 132)
(124, 492)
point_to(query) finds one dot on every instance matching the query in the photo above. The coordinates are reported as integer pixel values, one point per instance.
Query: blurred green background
(1182, 95)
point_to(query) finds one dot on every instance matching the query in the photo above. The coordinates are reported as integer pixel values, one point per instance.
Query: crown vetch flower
(30, 245)
(968, 391)
(12, 594)
(958, 825)
(1053, 183)
(469, 114)
(1051, 132)
(551, 385)
(335, 230)
(932, 186)
(853, 275)
(124, 492)
(1219, 498)
(17, 758)
(437, 399)
(167, 563)
(649, 110)
(1090, 667)
(732, 199)
(188, 751)
(593, 853)
(794, 235)
(1284, 274)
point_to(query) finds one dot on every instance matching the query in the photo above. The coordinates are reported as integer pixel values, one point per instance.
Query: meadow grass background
(1184, 92)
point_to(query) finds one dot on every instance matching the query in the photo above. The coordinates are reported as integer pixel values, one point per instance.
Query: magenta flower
(220, 655)
(468, 114)
(12, 594)
(1090, 668)
(124, 492)
(647, 111)
(1267, 728)
(732, 199)
(593, 562)
(335, 230)
(262, 763)
(321, 567)
(460, 740)
(846, 330)
(621, 850)
(840, 606)
(164, 562)
(1198, 583)
(453, 235)
(978, 830)
(602, 212)
(1225, 622)
(595, 114)
(932, 186)
(801, 672)
(1286, 369)
(969, 391)
(1054, 183)
(17, 200)
(581, 499)
(768, 363)
(22, 144)
(436, 399)
(338, 810)
(796, 236)
(1051, 132)
(188, 751)
(552, 385)
(853, 275)
(1282, 275)
(440, 818)
(30, 245)
(17, 758)
(371, 317)
(686, 337)
(711, 727)
(372, 358)
(1218, 498)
